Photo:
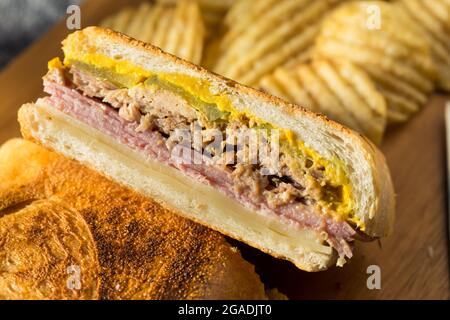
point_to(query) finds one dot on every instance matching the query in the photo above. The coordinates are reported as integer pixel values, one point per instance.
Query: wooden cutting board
(413, 261)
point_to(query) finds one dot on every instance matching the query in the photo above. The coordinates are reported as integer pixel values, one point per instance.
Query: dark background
(21, 21)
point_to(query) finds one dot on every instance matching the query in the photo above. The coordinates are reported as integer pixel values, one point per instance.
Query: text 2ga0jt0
(233, 309)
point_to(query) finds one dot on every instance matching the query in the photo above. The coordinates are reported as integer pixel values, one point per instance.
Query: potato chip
(269, 30)
(363, 56)
(235, 15)
(151, 23)
(160, 36)
(394, 53)
(269, 33)
(213, 23)
(252, 16)
(363, 85)
(340, 90)
(260, 42)
(325, 100)
(386, 80)
(302, 57)
(372, 121)
(360, 14)
(383, 43)
(395, 116)
(318, 95)
(108, 22)
(286, 85)
(178, 23)
(399, 103)
(176, 27)
(134, 28)
(269, 84)
(420, 12)
(271, 60)
(122, 19)
(433, 17)
(213, 13)
(212, 5)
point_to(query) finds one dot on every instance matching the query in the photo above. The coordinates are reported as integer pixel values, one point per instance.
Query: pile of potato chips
(365, 64)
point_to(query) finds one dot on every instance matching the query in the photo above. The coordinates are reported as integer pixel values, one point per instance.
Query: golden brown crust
(142, 251)
(40, 242)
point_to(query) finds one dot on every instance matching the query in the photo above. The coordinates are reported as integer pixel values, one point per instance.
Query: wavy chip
(433, 17)
(176, 27)
(213, 13)
(271, 33)
(394, 53)
(340, 90)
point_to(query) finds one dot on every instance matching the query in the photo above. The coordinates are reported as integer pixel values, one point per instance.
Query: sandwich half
(133, 112)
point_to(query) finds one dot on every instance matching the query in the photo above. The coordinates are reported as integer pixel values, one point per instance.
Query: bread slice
(59, 219)
(373, 195)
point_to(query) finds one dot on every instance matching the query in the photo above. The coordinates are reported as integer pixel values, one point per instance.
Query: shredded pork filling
(145, 118)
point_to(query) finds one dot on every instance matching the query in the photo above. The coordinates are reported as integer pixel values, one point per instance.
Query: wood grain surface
(414, 261)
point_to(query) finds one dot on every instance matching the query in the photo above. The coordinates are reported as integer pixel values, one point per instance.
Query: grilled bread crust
(59, 219)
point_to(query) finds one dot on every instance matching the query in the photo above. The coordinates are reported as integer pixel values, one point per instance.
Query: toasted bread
(60, 220)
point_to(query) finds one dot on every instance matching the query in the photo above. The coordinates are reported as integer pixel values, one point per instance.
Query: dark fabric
(21, 21)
